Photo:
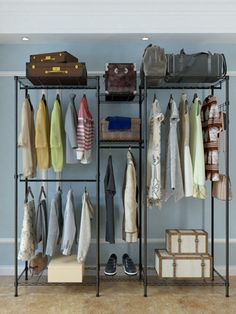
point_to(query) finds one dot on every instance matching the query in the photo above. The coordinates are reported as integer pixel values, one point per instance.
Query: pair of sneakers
(128, 265)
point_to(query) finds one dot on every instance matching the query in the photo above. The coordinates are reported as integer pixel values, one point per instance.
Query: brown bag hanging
(219, 188)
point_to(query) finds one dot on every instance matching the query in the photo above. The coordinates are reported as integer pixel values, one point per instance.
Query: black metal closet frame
(224, 279)
(22, 83)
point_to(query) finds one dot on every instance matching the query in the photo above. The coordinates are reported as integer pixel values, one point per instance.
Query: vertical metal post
(227, 190)
(145, 186)
(140, 184)
(212, 222)
(16, 186)
(98, 188)
(26, 200)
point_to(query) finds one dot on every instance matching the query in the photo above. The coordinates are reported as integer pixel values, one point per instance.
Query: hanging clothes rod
(120, 147)
(58, 180)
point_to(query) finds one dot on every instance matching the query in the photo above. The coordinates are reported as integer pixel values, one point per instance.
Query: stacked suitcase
(186, 255)
(56, 68)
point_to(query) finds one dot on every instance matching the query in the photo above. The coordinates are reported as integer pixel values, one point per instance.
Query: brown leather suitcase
(120, 81)
(71, 73)
(60, 56)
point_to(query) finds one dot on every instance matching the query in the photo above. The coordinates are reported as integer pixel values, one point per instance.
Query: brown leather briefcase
(71, 73)
(120, 81)
(60, 56)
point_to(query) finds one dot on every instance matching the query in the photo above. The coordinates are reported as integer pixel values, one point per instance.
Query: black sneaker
(110, 268)
(128, 265)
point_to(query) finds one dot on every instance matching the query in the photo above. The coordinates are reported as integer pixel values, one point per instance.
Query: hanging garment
(110, 191)
(42, 136)
(154, 156)
(55, 225)
(71, 131)
(130, 197)
(42, 224)
(211, 127)
(69, 225)
(85, 132)
(28, 234)
(197, 151)
(26, 139)
(56, 137)
(85, 228)
(173, 177)
(185, 157)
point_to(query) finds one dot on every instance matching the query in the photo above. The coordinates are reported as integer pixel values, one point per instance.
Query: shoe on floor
(128, 265)
(110, 268)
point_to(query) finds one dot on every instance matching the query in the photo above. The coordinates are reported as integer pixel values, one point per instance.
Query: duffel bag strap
(174, 267)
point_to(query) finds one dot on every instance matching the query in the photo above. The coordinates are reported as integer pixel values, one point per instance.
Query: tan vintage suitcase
(178, 266)
(71, 73)
(186, 241)
(60, 56)
(128, 135)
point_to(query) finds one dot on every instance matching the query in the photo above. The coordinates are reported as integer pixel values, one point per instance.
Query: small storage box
(48, 73)
(128, 135)
(186, 241)
(65, 269)
(183, 266)
(60, 56)
(120, 81)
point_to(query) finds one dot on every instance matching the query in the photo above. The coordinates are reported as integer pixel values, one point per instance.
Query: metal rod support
(16, 187)
(57, 180)
(212, 222)
(98, 192)
(227, 189)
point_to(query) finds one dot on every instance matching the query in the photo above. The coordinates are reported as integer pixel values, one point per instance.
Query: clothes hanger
(154, 97)
(29, 191)
(170, 101)
(42, 192)
(59, 189)
(195, 96)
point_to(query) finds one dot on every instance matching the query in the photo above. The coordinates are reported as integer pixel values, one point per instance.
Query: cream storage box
(178, 266)
(186, 241)
(65, 269)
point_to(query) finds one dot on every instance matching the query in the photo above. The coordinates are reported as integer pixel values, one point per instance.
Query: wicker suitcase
(60, 56)
(132, 135)
(186, 241)
(71, 73)
(120, 81)
(177, 266)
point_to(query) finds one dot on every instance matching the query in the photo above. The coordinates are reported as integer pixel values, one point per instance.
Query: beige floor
(116, 297)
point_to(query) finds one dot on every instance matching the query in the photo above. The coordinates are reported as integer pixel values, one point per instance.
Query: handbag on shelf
(219, 188)
(38, 263)
(153, 66)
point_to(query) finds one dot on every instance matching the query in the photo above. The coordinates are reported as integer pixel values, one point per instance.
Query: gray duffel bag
(200, 67)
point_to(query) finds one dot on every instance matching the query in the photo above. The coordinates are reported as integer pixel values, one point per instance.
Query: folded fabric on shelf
(118, 123)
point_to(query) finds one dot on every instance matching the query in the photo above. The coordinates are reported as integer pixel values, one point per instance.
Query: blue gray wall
(187, 213)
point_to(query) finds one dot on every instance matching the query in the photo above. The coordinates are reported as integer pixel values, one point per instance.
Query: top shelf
(24, 83)
(181, 85)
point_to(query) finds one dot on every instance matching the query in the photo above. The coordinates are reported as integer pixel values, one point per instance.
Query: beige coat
(26, 140)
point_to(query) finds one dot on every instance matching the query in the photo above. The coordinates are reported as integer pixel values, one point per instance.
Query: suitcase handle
(56, 70)
(48, 58)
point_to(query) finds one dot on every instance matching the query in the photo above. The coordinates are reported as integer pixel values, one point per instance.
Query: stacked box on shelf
(186, 255)
(56, 68)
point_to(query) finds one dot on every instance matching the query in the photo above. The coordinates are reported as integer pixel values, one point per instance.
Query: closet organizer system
(145, 273)
(148, 277)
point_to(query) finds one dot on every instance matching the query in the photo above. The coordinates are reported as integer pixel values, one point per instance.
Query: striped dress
(85, 132)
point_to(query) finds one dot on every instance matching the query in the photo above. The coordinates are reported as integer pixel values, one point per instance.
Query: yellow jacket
(42, 136)
(57, 138)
